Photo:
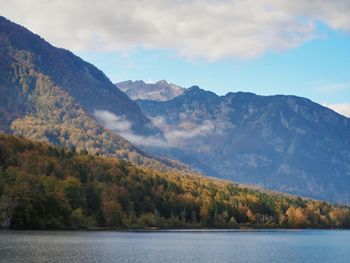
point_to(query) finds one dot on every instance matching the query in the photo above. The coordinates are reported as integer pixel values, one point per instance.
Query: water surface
(175, 246)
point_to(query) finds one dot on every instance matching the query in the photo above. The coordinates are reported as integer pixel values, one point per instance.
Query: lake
(176, 246)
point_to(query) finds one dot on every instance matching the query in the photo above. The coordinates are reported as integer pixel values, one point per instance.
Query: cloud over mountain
(122, 126)
(172, 136)
(194, 29)
(341, 108)
(175, 136)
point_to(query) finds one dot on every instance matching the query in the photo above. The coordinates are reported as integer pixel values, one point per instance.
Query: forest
(48, 187)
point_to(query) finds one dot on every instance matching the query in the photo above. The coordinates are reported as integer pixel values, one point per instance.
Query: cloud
(193, 28)
(341, 108)
(181, 134)
(112, 121)
(173, 135)
(122, 126)
(176, 135)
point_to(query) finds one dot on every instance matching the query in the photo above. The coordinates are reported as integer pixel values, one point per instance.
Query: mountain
(49, 94)
(285, 143)
(44, 187)
(81, 80)
(159, 91)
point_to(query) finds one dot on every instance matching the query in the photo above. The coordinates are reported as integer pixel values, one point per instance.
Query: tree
(296, 217)
(73, 191)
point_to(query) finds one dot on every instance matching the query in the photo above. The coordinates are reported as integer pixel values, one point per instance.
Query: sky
(268, 47)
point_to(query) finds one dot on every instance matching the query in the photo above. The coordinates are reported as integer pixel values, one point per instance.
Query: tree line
(47, 187)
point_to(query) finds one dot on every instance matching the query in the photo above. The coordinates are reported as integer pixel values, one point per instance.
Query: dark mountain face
(285, 143)
(49, 94)
(81, 80)
(159, 91)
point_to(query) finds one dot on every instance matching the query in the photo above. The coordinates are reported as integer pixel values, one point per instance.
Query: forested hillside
(49, 94)
(27, 60)
(42, 187)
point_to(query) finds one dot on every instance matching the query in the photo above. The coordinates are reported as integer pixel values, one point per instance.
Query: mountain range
(160, 91)
(284, 143)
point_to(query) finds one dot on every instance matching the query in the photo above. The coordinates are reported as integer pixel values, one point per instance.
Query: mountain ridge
(161, 90)
(87, 84)
(49, 94)
(283, 142)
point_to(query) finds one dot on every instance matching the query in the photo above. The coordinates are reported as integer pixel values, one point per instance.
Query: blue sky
(318, 69)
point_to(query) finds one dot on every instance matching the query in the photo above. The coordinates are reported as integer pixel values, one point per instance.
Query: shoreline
(210, 230)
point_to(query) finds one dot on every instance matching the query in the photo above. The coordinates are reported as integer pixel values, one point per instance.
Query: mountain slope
(159, 91)
(49, 94)
(47, 187)
(284, 143)
(81, 80)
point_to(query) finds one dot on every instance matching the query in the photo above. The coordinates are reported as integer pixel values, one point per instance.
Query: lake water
(175, 246)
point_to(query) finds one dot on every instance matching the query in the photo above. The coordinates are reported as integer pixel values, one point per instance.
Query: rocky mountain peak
(159, 91)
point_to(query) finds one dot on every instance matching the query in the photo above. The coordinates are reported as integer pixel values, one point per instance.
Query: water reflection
(175, 246)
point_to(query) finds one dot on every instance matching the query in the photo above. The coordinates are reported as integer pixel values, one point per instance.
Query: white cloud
(173, 135)
(178, 135)
(341, 108)
(122, 126)
(194, 28)
(181, 134)
(112, 121)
